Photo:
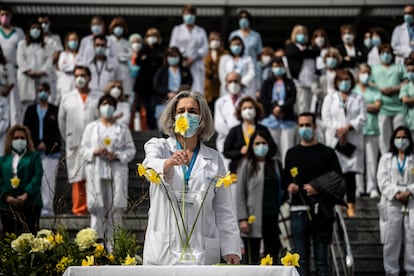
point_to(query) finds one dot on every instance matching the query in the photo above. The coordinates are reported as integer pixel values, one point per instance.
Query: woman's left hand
(232, 259)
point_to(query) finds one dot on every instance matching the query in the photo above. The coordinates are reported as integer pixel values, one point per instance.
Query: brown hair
(67, 39)
(340, 75)
(347, 27)
(9, 138)
(257, 106)
(190, 9)
(119, 21)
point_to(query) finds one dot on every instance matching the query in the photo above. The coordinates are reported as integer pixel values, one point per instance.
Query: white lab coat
(244, 66)
(86, 50)
(123, 54)
(36, 58)
(400, 42)
(192, 44)
(124, 147)
(9, 44)
(220, 229)
(65, 78)
(125, 109)
(100, 77)
(334, 117)
(4, 121)
(73, 116)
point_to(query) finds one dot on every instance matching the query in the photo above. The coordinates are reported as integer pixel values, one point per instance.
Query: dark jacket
(51, 135)
(290, 98)
(161, 82)
(361, 53)
(235, 141)
(295, 57)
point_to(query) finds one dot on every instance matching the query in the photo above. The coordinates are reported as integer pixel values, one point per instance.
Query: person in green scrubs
(407, 96)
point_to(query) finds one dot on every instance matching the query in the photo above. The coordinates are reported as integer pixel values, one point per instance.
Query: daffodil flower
(251, 219)
(141, 170)
(130, 260)
(107, 141)
(226, 180)
(99, 248)
(268, 260)
(153, 177)
(294, 172)
(181, 125)
(111, 258)
(89, 261)
(58, 238)
(290, 259)
(15, 182)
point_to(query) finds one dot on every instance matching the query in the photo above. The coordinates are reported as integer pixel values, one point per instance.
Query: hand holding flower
(100, 151)
(310, 190)
(179, 158)
(293, 188)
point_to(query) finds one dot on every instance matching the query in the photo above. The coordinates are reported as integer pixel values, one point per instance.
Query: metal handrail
(342, 246)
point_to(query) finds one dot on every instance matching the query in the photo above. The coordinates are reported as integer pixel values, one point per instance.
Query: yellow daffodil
(89, 261)
(99, 248)
(130, 260)
(153, 177)
(233, 177)
(181, 125)
(294, 172)
(225, 180)
(63, 264)
(290, 259)
(251, 219)
(107, 141)
(111, 258)
(15, 182)
(141, 170)
(50, 239)
(58, 238)
(268, 260)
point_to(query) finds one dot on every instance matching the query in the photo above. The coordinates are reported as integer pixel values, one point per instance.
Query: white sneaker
(373, 194)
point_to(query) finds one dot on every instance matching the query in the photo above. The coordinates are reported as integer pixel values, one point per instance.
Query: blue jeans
(303, 231)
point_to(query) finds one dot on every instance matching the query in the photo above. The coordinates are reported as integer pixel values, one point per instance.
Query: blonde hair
(296, 29)
(333, 52)
(9, 138)
(112, 84)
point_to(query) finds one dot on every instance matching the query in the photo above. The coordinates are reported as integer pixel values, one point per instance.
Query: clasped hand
(310, 190)
(17, 201)
(105, 153)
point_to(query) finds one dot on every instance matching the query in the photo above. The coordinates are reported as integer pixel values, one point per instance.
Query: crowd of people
(348, 106)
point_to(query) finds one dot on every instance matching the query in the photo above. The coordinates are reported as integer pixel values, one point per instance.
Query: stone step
(367, 235)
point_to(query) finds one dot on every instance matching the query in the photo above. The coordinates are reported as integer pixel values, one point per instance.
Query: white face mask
(233, 88)
(248, 113)
(106, 110)
(19, 145)
(151, 40)
(115, 92)
(266, 59)
(136, 46)
(320, 41)
(214, 44)
(80, 82)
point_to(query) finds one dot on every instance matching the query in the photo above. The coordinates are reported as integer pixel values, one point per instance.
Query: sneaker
(373, 194)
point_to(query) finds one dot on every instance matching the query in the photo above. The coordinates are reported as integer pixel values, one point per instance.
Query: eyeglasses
(232, 81)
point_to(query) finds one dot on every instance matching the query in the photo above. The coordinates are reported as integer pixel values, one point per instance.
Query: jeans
(303, 231)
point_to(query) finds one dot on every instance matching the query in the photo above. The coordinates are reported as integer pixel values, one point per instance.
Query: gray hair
(167, 119)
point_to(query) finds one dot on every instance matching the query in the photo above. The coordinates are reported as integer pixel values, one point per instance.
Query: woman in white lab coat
(343, 115)
(35, 62)
(122, 113)
(119, 30)
(66, 65)
(396, 182)
(236, 61)
(192, 42)
(107, 147)
(220, 232)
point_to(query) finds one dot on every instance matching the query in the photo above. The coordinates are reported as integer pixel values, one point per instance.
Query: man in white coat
(103, 68)
(225, 109)
(402, 39)
(193, 44)
(76, 110)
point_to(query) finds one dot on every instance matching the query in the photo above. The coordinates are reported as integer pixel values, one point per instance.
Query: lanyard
(247, 133)
(187, 170)
(401, 167)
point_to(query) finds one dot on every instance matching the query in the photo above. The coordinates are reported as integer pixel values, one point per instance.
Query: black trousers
(350, 186)
(20, 220)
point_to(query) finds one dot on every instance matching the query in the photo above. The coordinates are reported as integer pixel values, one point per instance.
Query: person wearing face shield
(192, 41)
(344, 116)
(21, 178)
(188, 166)
(225, 110)
(396, 184)
(103, 68)
(77, 108)
(107, 148)
(42, 120)
(122, 114)
(388, 77)
(402, 38)
(352, 52)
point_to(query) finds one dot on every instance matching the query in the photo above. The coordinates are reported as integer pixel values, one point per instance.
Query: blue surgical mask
(106, 110)
(45, 27)
(278, 71)
(236, 49)
(331, 62)
(410, 76)
(19, 145)
(189, 18)
(99, 51)
(244, 23)
(73, 44)
(96, 29)
(306, 133)
(261, 150)
(344, 85)
(43, 95)
(193, 123)
(408, 18)
(401, 143)
(173, 61)
(364, 78)
(368, 42)
(386, 57)
(376, 40)
(118, 31)
(300, 38)
(35, 33)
